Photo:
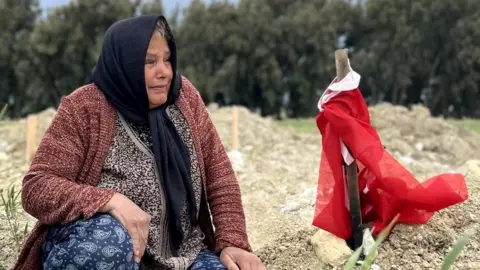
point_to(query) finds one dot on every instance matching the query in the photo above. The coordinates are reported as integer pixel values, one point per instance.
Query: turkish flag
(386, 187)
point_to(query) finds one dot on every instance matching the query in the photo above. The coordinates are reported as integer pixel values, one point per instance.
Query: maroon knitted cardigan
(61, 183)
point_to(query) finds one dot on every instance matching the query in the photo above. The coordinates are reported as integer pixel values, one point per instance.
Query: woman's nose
(161, 69)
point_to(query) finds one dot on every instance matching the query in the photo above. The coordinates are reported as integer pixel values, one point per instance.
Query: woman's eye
(149, 62)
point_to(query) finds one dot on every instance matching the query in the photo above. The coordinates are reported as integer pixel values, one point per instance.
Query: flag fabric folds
(386, 187)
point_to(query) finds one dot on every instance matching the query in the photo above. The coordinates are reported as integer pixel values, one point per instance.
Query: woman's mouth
(159, 89)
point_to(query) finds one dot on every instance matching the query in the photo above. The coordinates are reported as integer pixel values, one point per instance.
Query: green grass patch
(308, 125)
(302, 125)
(470, 124)
(3, 116)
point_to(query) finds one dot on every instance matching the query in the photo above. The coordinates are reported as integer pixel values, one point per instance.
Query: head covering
(119, 74)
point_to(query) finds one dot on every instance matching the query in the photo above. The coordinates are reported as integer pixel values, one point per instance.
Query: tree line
(273, 56)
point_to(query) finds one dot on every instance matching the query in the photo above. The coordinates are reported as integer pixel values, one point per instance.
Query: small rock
(419, 238)
(416, 259)
(368, 243)
(426, 265)
(3, 146)
(474, 166)
(290, 207)
(407, 160)
(416, 267)
(330, 249)
(237, 159)
(419, 146)
(375, 267)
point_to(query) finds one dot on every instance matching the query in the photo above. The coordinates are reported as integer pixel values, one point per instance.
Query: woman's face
(158, 71)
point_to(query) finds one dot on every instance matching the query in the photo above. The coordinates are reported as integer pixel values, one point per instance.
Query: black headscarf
(119, 74)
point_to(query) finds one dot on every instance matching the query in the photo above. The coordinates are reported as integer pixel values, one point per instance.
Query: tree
(65, 46)
(17, 20)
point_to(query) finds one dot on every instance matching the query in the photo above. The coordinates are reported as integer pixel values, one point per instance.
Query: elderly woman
(131, 173)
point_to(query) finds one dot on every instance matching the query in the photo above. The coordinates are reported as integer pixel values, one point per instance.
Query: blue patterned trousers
(207, 260)
(101, 243)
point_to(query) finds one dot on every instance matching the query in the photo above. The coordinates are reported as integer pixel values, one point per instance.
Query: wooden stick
(31, 138)
(341, 63)
(342, 66)
(235, 143)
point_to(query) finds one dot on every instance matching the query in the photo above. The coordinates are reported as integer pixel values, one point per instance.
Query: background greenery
(274, 56)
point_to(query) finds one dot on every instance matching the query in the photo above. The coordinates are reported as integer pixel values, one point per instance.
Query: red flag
(386, 187)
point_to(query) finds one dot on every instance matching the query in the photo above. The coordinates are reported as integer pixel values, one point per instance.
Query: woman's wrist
(108, 207)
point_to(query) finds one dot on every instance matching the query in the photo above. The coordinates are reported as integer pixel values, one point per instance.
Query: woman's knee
(105, 229)
(99, 242)
(106, 226)
(207, 260)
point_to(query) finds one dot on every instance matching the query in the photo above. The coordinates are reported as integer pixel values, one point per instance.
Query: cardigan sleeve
(224, 195)
(50, 192)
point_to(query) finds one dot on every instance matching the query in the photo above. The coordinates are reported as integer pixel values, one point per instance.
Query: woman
(131, 168)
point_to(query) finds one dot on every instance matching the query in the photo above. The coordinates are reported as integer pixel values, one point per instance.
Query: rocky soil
(278, 170)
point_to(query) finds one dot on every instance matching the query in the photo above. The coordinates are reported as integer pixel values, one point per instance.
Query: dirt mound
(290, 252)
(275, 164)
(424, 247)
(416, 134)
(421, 247)
(12, 145)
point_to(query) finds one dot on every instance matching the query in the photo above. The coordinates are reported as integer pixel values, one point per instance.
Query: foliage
(11, 205)
(3, 113)
(307, 125)
(470, 124)
(273, 55)
(302, 125)
(453, 254)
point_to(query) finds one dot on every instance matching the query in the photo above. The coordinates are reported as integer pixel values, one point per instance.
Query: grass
(10, 202)
(3, 115)
(3, 112)
(470, 124)
(308, 125)
(11, 206)
(301, 125)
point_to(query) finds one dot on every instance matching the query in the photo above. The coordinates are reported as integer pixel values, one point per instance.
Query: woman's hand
(134, 219)
(238, 259)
